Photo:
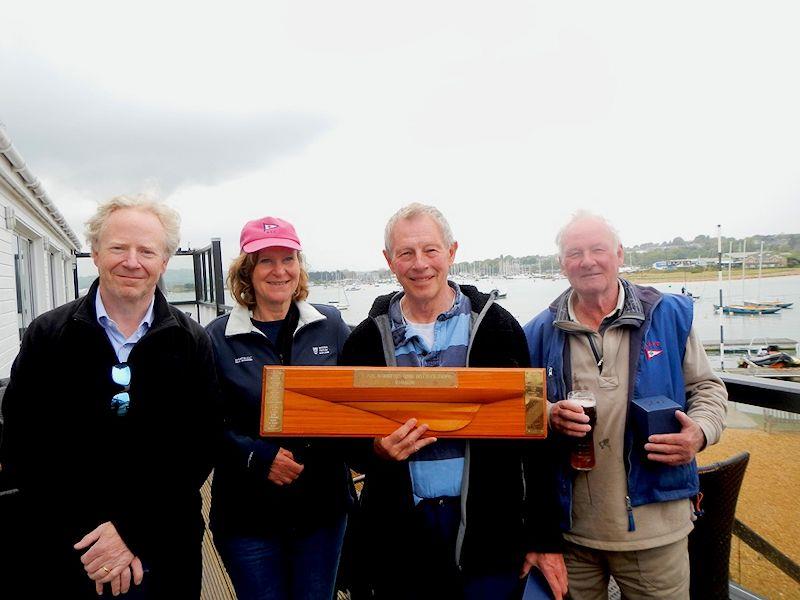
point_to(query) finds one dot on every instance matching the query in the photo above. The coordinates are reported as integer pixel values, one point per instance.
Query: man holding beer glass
(609, 347)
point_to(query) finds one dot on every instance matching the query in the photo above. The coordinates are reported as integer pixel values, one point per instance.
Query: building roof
(32, 189)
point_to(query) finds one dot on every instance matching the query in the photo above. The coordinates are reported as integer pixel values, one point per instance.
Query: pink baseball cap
(267, 232)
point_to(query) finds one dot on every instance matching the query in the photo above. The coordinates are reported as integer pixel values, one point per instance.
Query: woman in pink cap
(279, 506)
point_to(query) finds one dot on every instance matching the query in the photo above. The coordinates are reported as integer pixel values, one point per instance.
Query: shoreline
(655, 276)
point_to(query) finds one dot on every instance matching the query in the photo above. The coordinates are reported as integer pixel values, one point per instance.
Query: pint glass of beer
(582, 456)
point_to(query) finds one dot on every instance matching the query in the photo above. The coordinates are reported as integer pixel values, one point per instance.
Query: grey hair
(169, 218)
(584, 215)
(415, 209)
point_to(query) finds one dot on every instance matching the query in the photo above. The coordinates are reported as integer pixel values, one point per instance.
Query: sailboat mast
(721, 311)
(730, 268)
(719, 264)
(760, 263)
(744, 262)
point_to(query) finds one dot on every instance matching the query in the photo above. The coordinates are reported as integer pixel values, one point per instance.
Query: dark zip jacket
(509, 496)
(77, 464)
(244, 501)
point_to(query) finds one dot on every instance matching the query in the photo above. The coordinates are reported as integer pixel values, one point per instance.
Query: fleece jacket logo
(652, 349)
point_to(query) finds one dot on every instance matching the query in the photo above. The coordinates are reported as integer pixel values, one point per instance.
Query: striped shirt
(436, 470)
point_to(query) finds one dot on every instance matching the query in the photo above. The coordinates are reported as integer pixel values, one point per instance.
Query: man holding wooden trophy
(450, 510)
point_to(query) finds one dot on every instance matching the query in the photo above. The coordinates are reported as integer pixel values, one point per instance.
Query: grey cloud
(104, 145)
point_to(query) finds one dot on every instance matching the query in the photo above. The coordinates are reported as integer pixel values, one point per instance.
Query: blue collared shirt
(122, 345)
(435, 470)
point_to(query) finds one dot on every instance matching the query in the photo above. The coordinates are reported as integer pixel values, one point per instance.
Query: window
(52, 266)
(23, 270)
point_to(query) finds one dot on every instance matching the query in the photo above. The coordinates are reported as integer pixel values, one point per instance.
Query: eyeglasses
(121, 375)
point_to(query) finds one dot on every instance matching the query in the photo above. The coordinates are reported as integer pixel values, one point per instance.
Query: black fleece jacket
(512, 496)
(77, 464)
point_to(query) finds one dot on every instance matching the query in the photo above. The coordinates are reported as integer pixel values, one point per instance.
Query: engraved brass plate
(534, 401)
(273, 401)
(424, 378)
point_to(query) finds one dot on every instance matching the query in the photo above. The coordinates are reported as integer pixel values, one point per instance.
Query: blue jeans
(288, 566)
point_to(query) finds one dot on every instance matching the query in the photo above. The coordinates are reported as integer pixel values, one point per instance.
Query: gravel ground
(768, 503)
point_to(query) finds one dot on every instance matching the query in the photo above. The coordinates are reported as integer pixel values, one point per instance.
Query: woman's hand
(284, 469)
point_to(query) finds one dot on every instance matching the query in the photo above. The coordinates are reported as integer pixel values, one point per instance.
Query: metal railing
(209, 282)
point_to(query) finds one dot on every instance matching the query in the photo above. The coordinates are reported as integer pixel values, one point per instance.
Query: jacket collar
(400, 331)
(480, 304)
(86, 311)
(239, 321)
(478, 300)
(638, 303)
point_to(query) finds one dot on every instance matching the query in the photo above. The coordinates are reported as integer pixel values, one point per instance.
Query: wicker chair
(710, 542)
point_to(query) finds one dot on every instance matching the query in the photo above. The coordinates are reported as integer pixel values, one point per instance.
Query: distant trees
(644, 255)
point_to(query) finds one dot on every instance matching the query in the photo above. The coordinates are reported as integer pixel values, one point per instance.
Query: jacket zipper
(473, 333)
(628, 504)
(597, 358)
(629, 508)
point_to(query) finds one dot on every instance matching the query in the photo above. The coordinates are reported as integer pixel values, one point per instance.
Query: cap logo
(268, 226)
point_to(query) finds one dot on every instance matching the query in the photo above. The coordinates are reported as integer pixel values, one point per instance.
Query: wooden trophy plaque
(374, 401)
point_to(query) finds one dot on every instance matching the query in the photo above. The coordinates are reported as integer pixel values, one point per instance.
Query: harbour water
(527, 297)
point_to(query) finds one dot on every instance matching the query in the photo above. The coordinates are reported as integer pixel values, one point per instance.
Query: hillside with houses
(779, 251)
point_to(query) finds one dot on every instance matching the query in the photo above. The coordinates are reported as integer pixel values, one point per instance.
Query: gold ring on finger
(106, 569)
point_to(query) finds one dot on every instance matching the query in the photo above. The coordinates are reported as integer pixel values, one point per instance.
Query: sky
(667, 118)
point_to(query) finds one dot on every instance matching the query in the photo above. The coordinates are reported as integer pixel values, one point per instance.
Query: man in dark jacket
(454, 518)
(111, 423)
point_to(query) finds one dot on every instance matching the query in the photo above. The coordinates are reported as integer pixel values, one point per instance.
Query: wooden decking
(216, 584)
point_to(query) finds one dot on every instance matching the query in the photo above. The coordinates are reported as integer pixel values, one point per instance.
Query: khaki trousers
(656, 573)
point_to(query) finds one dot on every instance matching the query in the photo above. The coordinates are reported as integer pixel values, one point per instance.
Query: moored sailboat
(742, 309)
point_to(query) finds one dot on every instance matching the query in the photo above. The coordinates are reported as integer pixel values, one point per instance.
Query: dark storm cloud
(104, 144)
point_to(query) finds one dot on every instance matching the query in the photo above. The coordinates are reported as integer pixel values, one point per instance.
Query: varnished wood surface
(487, 403)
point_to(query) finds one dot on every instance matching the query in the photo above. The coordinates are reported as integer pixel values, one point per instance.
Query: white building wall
(46, 237)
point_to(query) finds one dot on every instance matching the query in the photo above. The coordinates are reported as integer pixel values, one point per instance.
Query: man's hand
(284, 470)
(108, 559)
(552, 566)
(677, 448)
(567, 417)
(403, 441)
(122, 583)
